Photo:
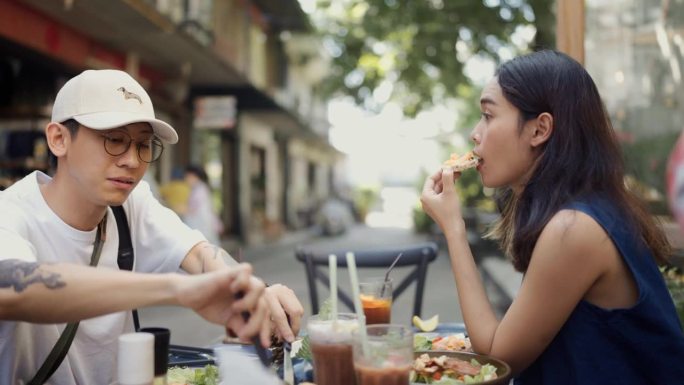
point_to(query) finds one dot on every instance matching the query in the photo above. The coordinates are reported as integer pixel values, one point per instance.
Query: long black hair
(581, 156)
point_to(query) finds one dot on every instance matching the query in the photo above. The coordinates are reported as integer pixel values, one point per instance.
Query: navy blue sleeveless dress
(640, 345)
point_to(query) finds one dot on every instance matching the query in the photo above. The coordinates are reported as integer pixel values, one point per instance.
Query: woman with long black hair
(593, 307)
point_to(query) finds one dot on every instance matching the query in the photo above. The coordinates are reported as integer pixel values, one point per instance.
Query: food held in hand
(426, 325)
(460, 163)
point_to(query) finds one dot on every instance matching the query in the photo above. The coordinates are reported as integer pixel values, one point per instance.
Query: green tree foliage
(417, 49)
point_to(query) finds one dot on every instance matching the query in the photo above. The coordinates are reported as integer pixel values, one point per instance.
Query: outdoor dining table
(303, 369)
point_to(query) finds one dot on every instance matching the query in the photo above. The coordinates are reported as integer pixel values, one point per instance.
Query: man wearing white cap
(104, 133)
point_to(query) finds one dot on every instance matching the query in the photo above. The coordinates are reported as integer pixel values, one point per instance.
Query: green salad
(445, 370)
(207, 375)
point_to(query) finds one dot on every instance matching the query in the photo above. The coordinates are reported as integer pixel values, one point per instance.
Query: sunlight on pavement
(384, 219)
(396, 209)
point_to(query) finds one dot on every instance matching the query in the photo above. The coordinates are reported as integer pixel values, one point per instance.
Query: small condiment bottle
(135, 364)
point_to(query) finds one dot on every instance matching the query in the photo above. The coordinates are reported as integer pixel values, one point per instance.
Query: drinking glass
(331, 346)
(376, 300)
(388, 356)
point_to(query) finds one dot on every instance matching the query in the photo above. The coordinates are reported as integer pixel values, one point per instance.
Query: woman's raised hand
(440, 200)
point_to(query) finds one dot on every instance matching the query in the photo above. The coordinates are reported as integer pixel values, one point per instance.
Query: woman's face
(507, 156)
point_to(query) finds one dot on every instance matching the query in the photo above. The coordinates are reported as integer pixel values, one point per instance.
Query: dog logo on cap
(129, 95)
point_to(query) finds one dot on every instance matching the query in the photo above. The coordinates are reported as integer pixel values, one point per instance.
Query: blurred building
(634, 50)
(236, 78)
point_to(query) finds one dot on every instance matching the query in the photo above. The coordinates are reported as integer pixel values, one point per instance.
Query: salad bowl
(503, 370)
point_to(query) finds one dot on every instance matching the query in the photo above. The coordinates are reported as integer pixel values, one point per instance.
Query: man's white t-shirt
(31, 231)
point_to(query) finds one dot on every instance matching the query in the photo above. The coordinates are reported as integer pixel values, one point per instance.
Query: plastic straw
(332, 267)
(354, 277)
(384, 283)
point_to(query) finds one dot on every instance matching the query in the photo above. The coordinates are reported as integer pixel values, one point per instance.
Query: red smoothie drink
(331, 345)
(333, 364)
(384, 356)
(368, 375)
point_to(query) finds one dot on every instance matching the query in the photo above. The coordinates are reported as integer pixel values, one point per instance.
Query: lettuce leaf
(208, 375)
(422, 343)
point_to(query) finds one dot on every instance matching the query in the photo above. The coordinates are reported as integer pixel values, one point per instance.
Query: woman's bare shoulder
(574, 229)
(574, 240)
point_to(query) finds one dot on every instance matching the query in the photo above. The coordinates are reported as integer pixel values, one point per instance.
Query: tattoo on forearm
(20, 275)
(218, 252)
(215, 252)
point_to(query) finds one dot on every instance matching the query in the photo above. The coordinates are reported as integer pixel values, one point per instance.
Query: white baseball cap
(106, 99)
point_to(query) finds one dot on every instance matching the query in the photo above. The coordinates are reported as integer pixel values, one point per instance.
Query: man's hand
(283, 304)
(213, 296)
(280, 300)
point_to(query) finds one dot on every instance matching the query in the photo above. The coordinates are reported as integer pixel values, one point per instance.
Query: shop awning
(136, 26)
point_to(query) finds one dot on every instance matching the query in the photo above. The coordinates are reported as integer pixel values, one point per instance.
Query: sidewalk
(275, 263)
(278, 264)
(288, 239)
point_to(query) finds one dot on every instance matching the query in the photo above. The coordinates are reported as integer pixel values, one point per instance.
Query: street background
(276, 263)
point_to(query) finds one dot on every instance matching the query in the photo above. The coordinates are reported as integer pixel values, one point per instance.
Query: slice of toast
(460, 163)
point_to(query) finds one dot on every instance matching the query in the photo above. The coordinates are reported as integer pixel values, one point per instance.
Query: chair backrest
(418, 255)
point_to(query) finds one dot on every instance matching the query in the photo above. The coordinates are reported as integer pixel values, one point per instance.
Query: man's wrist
(172, 288)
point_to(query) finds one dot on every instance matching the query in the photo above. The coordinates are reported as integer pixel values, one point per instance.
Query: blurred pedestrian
(593, 307)
(176, 193)
(148, 177)
(200, 214)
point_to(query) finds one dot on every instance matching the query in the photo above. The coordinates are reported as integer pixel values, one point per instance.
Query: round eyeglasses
(118, 142)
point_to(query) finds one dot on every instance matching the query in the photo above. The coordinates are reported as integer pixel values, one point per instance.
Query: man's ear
(542, 129)
(57, 138)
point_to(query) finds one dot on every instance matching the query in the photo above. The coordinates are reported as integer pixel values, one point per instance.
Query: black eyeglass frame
(154, 142)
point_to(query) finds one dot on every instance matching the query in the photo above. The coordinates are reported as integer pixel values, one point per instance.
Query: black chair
(418, 255)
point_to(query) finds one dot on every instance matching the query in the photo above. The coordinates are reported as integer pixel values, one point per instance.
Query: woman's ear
(57, 138)
(542, 130)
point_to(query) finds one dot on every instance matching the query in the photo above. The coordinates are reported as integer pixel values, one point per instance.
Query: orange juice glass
(376, 300)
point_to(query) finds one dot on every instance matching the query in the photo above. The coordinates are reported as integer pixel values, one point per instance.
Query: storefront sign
(215, 112)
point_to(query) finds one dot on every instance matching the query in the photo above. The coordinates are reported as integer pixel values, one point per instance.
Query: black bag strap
(61, 348)
(126, 257)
